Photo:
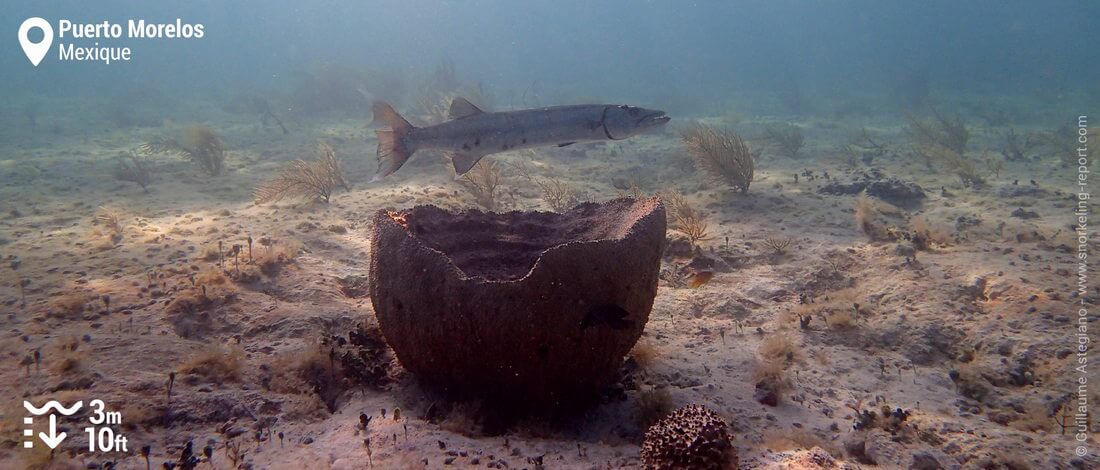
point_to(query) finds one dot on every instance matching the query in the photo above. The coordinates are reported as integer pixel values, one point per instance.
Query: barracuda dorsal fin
(461, 107)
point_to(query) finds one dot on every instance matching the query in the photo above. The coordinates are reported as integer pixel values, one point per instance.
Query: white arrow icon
(36, 51)
(53, 439)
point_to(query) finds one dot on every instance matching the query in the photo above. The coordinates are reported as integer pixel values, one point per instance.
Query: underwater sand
(915, 318)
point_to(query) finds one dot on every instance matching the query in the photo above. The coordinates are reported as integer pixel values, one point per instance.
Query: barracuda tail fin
(393, 148)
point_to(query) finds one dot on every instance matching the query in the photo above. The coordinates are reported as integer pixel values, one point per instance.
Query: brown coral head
(691, 437)
(535, 307)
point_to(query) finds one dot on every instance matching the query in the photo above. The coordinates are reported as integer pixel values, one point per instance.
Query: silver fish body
(472, 133)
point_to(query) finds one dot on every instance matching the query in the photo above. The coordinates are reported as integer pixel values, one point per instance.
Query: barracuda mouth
(653, 119)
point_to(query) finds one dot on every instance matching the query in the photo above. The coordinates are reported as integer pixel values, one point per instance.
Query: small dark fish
(700, 278)
(613, 316)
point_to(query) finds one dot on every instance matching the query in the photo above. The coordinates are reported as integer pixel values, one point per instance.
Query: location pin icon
(36, 51)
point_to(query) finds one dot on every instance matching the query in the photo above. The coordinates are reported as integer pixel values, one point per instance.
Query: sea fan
(305, 180)
(200, 144)
(722, 156)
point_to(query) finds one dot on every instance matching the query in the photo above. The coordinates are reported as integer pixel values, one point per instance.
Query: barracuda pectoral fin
(461, 107)
(464, 161)
(566, 144)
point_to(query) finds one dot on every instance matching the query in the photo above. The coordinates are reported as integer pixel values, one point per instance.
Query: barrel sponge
(520, 307)
(691, 437)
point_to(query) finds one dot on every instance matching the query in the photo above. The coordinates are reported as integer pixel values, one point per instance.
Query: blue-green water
(876, 209)
(693, 57)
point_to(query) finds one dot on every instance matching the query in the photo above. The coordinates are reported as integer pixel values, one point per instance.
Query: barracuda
(472, 133)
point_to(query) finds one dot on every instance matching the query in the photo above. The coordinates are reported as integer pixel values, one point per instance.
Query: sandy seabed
(973, 336)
